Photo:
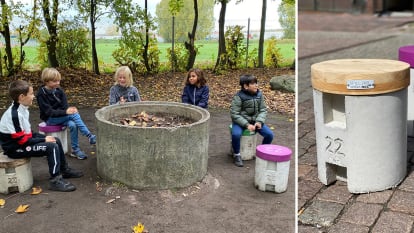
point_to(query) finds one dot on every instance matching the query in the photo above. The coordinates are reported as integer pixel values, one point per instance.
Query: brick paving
(326, 36)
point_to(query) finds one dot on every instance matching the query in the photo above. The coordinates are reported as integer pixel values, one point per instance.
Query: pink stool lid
(50, 128)
(273, 153)
(406, 54)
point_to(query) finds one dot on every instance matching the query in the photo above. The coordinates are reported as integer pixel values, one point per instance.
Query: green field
(206, 56)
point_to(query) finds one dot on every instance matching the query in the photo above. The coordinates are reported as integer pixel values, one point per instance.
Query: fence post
(248, 37)
(172, 49)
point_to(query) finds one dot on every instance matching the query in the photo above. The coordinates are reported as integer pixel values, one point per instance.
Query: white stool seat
(248, 144)
(15, 174)
(272, 168)
(59, 131)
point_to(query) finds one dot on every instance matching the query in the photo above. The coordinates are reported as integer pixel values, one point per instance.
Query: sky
(239, 13)
(235, 13)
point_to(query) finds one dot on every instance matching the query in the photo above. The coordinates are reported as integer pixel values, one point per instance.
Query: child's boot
(57, 183)
(237, 160)
(68, 172)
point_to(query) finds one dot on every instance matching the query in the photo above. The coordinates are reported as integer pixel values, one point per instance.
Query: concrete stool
(406, 54)
(15, 174)
(59, 131)
(272, 168)
(248, 144)
(361, 122)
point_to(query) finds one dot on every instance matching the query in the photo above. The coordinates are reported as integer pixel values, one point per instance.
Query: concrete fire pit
(152, 158)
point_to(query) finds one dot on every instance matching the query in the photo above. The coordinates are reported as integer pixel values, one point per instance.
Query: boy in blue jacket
(18, 141)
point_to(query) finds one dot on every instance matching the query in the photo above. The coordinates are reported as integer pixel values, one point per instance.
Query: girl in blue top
(196, 92)
(123, 90)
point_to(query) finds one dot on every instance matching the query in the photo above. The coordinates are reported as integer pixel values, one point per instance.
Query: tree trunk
(51, 24)
(146, 45)
(95, 62)
(191, 36)
(6, 34)
(222, 41)
(262, 31)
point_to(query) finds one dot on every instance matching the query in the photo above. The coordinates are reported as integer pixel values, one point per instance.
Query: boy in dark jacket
(248, 111)
(54, 110)
(18, 141)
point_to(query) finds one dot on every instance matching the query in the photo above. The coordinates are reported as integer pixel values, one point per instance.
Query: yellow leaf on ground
(272, 128)
(98, 186)
(36, 190)
(22, 209)
(139, 228)
(2, 202)
(110, 201)
(132, 123)
(290, 119)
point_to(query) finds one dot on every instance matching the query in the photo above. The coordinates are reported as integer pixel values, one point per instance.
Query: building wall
(355, 6)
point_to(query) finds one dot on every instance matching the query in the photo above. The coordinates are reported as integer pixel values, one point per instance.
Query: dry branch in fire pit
(154, 120)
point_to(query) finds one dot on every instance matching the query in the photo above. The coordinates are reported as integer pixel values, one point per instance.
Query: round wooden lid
(360, 76)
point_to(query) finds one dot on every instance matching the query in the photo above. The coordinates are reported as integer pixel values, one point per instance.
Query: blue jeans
(74, 122)
(236, 134)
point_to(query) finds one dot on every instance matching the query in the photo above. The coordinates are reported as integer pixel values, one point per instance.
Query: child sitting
(54, 110)
(248, 111)
(195, 91)
(18, 141)
(123, 90)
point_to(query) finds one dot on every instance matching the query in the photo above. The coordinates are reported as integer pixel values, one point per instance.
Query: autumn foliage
(85, 89)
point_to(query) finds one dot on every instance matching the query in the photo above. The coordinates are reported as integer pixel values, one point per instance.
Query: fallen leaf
(2, 202)
(139, 228)
(98, 186)
(21, 209)
(132, 123)
(290, 119)
(92, 152)
(36, 190)
(110, 201)
(272, 128)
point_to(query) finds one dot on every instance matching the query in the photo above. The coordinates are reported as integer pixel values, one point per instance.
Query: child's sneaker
(59, 184)
(92, 139)
(71, 173)
(78, 154)
(238, 161)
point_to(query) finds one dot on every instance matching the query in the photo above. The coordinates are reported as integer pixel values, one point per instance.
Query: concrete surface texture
(152, 158)
(332, 208)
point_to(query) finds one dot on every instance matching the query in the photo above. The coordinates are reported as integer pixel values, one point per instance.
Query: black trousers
(53, 151)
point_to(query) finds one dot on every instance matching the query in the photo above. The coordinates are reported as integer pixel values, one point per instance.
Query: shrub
(273, 56)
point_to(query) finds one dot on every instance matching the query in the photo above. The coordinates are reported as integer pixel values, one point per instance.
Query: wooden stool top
(6, 162)
(360, 76)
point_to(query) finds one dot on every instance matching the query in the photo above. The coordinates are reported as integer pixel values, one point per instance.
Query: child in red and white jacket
(18, 141)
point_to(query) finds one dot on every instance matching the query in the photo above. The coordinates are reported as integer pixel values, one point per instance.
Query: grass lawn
(206, 56)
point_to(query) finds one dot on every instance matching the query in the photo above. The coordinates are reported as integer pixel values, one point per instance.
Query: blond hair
(50, 74)
(127, 73)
